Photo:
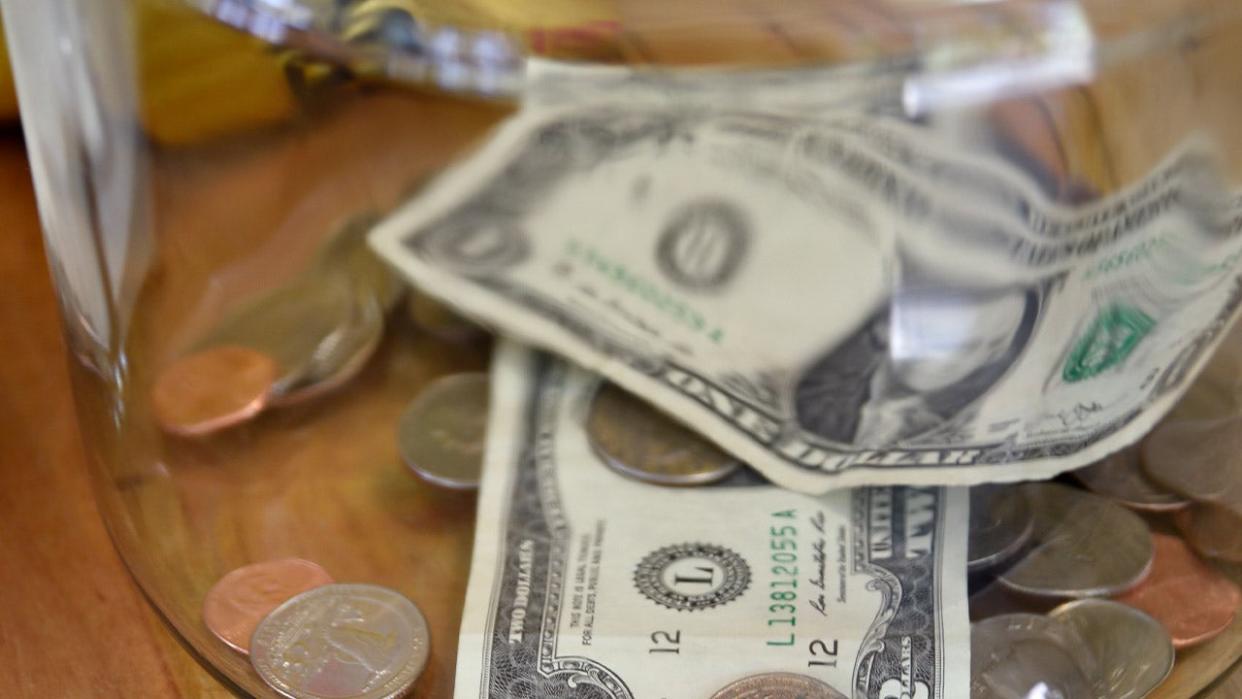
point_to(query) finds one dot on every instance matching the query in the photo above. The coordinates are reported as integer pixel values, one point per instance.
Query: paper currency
(837, 299)
(586, 583)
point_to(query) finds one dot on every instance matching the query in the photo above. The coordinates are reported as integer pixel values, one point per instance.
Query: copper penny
(1120, 478)
(777, 685)
(236, 604)
(1213, 531)
(212, 389)
(1191, 599)
(1200, 459)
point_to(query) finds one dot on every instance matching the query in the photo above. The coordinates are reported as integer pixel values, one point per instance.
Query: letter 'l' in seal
(691, 577)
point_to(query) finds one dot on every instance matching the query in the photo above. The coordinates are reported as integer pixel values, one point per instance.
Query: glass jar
(208, 171)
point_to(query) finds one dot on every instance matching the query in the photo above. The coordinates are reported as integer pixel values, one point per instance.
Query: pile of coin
(1070, 588)
(310, 637)
(298, 342)
(1198, 460)
(441, 435)
(1081, 591)
(1085, 648)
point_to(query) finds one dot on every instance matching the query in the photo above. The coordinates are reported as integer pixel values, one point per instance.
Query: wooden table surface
(72, 621)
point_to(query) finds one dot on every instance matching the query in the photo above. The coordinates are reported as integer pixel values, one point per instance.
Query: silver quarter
(1028, 655)
(1083, 545)
(346, 251)
(1199, 459)
(342, 641)
(1119, 477)
(305, 326)
(1001, 523)
(1133, 648)
(341, 356)
(442, 432)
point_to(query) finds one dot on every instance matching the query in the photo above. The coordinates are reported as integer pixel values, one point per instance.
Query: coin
(1000, 525)
(212, 389)
(236, 604)
(1134, 650)
(342, 640)
(1200, 459)
(1120, 478)
(437, 319)
(1082, 546)
(441, 434)
(346, 250)
(639, 441)
(340, 357)
(1029, 655)
(777, 685)
(293, 324)
(1194, 601)
(1213, 531)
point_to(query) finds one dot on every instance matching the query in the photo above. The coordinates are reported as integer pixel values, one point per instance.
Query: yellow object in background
(200, 79)
(8, 95)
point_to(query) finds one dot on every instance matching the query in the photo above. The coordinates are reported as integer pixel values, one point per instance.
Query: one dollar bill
(837, 299)
(585, 583)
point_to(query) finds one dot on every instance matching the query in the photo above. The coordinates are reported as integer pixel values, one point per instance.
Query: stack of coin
(1082, 649)
(1201, 461)
(1119, 477)
(1031, 539)
(308, 637)
(1071, 526)
(1043, 556)
(293, 344)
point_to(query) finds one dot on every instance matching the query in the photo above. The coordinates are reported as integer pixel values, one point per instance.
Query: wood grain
(72, 621)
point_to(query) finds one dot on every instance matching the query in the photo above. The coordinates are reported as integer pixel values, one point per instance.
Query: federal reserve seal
(690, 577)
